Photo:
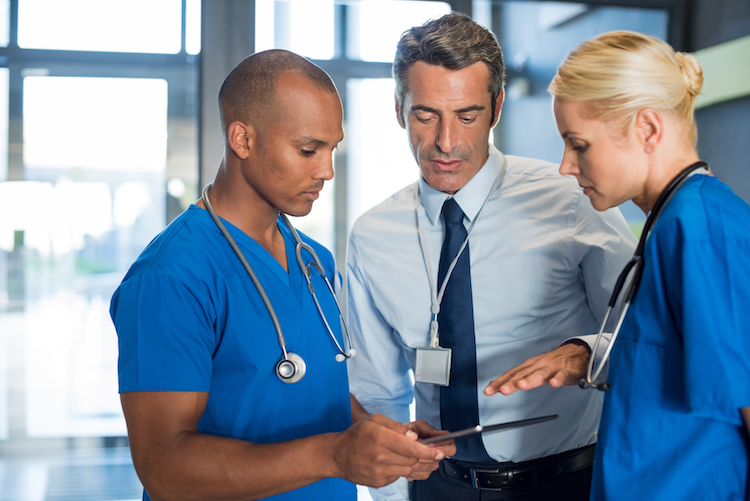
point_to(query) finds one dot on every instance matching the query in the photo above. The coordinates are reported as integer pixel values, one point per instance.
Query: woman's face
(607, 162)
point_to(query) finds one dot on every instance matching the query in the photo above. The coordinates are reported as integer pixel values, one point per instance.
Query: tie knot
(452, 213)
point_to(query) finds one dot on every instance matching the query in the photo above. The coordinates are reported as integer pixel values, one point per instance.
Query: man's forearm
(198, 467)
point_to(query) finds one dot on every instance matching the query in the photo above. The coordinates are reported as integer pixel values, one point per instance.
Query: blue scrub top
(189, 318)
(680, 369)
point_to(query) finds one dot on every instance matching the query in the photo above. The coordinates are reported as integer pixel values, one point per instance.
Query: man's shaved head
(249, 91)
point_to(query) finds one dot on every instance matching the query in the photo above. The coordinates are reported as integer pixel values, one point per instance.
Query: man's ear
(399, 116)
(649, 128)
(241, 139)
(498, 107)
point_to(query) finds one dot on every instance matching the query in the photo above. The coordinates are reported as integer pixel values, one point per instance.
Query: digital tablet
(488, 429)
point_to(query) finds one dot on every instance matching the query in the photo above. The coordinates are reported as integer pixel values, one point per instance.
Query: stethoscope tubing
(248, 268)
(347, 351)
(637, 264)
(292, 359)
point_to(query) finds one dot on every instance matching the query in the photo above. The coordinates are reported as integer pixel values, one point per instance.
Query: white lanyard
(437, 295)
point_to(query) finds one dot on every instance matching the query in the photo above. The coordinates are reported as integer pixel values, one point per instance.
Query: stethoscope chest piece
(291, 369)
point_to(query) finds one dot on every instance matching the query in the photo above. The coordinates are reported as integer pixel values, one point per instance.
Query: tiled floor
(105, 474)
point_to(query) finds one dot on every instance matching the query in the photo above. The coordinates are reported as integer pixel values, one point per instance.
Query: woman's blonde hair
(621, 72)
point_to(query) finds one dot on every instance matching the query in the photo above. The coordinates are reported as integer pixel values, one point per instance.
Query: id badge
(433, 365)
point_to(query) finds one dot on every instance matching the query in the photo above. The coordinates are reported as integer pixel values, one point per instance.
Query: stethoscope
(636, 265)
(291, 367)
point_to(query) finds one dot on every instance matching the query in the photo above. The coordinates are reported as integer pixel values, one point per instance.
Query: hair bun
(692, 72)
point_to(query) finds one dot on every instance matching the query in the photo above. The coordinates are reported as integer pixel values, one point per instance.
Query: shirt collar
(471, 197)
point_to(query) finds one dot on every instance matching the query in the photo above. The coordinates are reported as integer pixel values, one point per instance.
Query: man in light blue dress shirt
(543, 263)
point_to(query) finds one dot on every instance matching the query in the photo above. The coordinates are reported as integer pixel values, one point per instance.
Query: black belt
(499, 476)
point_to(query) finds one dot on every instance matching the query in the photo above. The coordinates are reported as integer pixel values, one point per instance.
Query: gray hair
(454, 41)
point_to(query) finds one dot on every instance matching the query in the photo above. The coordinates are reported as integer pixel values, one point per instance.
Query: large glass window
(93, 25)
(193, 27)
(375, 26)
(4, 22)
(302, 26)
(98, 152)
(95, 165)
(379, 149)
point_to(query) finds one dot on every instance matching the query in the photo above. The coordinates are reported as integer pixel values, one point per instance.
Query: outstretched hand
(565, 365)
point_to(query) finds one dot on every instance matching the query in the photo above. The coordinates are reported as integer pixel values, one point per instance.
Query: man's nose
(325, 170)
(446, 136)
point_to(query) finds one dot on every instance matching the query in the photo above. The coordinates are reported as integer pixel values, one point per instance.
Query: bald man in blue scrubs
(207, 416)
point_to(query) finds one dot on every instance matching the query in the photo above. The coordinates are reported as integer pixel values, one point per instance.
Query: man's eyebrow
(310, 140)
(475, 107)
(315, 141)
(420, 107)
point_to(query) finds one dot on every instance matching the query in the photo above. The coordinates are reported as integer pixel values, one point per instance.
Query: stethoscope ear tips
(340, 357)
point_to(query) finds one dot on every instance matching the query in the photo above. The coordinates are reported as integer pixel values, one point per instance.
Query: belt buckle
(507, 477)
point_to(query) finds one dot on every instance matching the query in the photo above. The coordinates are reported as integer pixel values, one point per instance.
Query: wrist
(326, 449)
(578, 342)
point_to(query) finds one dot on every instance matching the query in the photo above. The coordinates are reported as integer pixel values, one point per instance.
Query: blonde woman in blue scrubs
(675, 422)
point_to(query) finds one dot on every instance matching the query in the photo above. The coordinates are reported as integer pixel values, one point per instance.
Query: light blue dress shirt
(543, 265)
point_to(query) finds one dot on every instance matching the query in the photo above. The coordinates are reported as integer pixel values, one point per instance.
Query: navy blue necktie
(458, 401)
